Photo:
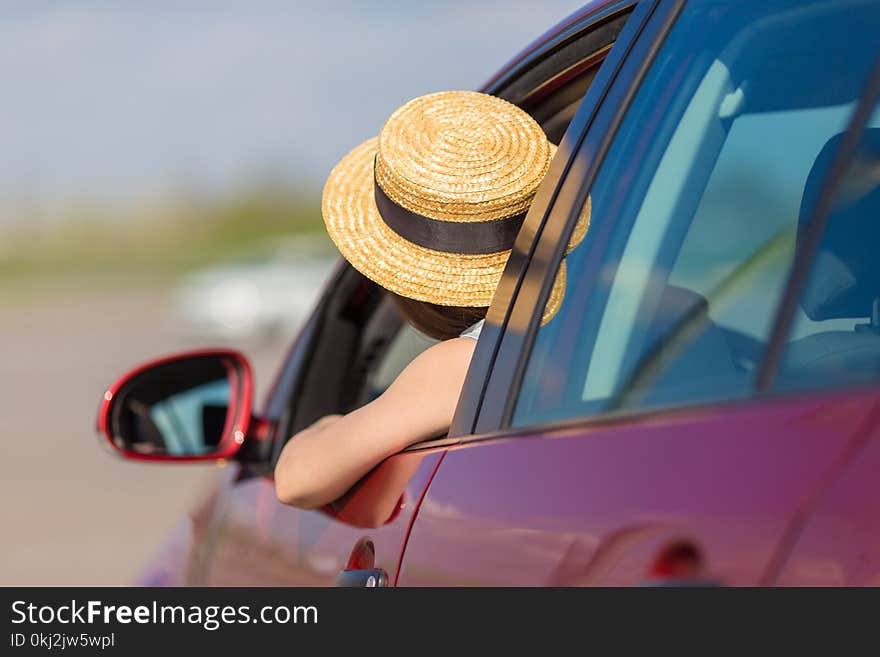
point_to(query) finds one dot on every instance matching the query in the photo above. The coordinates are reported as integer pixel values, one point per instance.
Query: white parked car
(271, 290)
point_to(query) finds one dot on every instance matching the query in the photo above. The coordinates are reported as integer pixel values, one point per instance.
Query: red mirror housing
(193, 406)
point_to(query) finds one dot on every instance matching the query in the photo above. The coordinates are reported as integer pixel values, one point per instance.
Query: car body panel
(256, 541)
(837, 541)
(597, 504)
(242, 536)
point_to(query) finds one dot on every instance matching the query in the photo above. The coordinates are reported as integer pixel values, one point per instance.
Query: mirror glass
(179, 408)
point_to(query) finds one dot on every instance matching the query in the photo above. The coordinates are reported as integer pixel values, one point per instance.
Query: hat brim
(370, 246)
(380, 254)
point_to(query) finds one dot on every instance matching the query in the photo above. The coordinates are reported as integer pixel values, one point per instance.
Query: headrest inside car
(845, 280)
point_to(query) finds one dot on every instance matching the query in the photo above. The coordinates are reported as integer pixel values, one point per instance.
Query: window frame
(520, 326)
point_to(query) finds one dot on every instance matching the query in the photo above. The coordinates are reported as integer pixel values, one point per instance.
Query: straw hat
(431, 207)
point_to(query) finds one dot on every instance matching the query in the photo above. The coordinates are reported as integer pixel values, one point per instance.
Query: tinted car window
(835, 338)
(696, 208)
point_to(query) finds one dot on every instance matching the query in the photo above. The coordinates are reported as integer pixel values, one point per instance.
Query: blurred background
(161, 166)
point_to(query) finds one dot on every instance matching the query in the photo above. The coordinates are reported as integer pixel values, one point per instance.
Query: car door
(349, 351)
(679, 417)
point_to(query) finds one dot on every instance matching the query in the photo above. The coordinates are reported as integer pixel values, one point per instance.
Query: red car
(704, 407)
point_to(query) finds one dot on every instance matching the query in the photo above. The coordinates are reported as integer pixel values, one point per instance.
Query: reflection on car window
(835, 339)
(700, 200)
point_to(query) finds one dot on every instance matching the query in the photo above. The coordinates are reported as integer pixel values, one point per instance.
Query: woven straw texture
(456, 156)
(462, 156)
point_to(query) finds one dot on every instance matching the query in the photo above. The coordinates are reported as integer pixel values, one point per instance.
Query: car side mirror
(189, 407)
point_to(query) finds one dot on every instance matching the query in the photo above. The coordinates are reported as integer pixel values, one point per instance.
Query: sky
(124, 100)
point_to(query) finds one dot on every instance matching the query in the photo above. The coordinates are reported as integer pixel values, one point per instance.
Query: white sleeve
(473, 331)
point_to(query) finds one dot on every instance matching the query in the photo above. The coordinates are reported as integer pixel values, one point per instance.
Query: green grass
(93, 252)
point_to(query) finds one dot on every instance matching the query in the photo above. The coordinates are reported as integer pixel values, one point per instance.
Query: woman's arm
(319, 464)
(373, 500)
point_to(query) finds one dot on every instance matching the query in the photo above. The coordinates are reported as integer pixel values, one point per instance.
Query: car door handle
(364, 578)
(361, 571)
(681, 564)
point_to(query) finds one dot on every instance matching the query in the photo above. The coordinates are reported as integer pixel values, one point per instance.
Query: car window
(835, 336)
(696, 209)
